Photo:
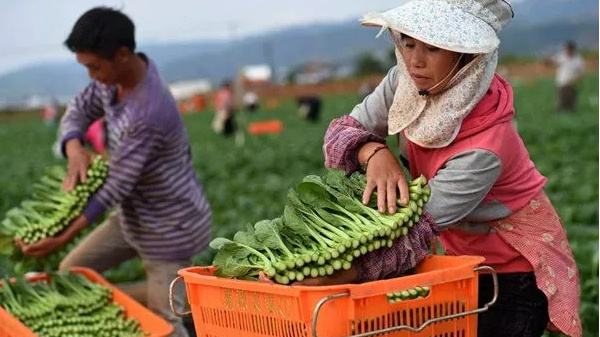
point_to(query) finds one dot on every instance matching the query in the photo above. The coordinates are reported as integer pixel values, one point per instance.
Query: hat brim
(439, 24)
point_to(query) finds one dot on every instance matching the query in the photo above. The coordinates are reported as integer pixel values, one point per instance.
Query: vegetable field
(249, 183)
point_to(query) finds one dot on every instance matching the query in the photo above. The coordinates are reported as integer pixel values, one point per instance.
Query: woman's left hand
(384, 175)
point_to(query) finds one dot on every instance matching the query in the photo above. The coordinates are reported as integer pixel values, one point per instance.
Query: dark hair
(102, 30)
(466, 59)
(571, 45)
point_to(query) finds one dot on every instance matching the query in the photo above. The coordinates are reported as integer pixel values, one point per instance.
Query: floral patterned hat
(463, 26)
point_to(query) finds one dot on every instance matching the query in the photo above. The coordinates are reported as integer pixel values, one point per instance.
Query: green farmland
(247, 183)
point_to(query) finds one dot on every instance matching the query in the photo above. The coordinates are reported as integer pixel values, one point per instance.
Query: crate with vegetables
(76, 303)
(323, 229)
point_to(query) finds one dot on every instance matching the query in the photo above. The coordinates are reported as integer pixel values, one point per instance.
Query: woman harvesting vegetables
(453, 118)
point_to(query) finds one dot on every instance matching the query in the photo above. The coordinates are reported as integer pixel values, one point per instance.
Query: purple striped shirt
(152, 182)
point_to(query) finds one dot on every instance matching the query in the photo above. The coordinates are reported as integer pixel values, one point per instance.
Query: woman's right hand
(78, 163)
(384, 175)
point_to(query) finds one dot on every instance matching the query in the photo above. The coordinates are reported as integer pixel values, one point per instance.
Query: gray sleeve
(373, 111)
(460, 186)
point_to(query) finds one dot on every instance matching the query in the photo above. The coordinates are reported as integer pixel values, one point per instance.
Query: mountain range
(539, 28)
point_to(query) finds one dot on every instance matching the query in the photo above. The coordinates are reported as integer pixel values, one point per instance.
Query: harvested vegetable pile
(324, 227)
(46, 213)
(68, 305)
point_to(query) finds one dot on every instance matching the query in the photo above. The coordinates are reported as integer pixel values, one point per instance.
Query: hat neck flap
(433, 121)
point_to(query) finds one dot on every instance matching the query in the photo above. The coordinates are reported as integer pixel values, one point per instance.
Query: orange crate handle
(326, 299)
(171, 303)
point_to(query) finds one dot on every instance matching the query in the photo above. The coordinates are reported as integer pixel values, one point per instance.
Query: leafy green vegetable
(48, 211)
(69, 305)
(323, 229)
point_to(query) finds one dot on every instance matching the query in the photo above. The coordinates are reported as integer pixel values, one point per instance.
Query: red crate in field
(265, 127)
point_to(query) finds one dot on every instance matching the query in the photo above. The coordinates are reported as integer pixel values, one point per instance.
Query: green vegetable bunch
(407, 294)
(45, 214)
(68, 305)
(324, 227)
(51, 209)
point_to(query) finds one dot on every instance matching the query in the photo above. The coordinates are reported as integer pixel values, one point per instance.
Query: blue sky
(33, 30)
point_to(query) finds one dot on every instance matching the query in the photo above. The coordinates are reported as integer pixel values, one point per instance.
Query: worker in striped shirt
(160, 212)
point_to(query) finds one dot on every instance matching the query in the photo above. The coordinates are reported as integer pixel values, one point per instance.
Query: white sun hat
(463, 26)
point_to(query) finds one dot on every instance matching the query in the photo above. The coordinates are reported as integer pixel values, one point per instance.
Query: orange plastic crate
(152, 324)
(235, 308)
(265, 127)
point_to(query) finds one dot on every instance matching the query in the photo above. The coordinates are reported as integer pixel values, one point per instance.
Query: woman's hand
(78, 163)
(385, 175)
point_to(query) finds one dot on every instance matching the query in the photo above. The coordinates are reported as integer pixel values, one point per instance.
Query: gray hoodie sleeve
(459, 187)
(373, 111)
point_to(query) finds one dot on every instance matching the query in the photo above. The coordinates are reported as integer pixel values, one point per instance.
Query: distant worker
(570, 69)
(95, 136)
(50, 113)
(309, 107)
(223, 122)
(250, 100)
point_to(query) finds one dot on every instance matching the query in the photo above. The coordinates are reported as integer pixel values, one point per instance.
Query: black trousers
(229, 127)
(567, 98)
(520, 311)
